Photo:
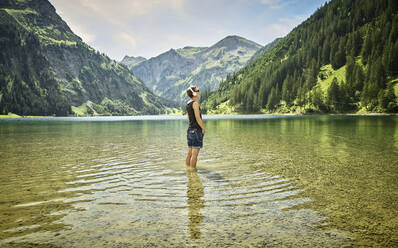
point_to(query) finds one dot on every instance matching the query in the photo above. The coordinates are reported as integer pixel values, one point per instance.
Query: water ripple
(116, 190)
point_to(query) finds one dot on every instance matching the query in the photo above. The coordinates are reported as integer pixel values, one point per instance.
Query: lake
(273, 181)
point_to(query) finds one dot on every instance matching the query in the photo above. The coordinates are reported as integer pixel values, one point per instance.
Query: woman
(196, 129)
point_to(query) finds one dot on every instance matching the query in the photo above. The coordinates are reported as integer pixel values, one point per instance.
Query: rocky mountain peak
(171, 72)
(52, 72)
(232, 42)
(130, 61)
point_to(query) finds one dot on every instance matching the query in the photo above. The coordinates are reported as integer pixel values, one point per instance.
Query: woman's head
(193, 92)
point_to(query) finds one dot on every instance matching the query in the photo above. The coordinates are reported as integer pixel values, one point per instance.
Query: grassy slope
(331, 74)
(80, 110)
(190, 52)
(52, 31)
(340, 74)
(10, 115)
(225, 108)
(222, 97)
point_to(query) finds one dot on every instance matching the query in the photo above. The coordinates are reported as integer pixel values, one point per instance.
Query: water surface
(310, 181)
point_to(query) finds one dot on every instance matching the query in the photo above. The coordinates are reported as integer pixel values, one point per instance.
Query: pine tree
(359, 78)
(333, 94)
(349, 74)
(366, 48)
(357, 41)
(273, 99)
(286, 89)
(393, 66)
(387, 99)
(317, 99)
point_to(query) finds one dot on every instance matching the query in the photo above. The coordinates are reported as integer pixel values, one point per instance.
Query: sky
(150, 27)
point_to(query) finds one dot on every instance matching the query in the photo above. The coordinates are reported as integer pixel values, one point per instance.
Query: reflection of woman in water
(196, 129)
(195, 193)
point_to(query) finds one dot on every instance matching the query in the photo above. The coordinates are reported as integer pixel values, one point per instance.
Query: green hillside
(45, 69)
(344, 58)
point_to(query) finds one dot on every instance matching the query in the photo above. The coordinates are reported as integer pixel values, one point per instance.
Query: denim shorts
(195, 138)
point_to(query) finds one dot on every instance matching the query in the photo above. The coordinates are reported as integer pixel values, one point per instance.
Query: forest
(47, 70)
(344, 58)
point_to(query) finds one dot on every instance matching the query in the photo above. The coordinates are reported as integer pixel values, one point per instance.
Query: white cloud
(77, 28)
(127, 40)
(82, 33)
(150, 27)
(119, 12)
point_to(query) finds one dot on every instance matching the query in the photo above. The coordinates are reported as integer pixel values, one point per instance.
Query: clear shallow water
(311, 181)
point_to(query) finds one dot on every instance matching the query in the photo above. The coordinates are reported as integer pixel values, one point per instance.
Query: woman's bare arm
(197, 116)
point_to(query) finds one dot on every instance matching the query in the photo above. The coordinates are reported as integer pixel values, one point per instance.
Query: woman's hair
(191, 91)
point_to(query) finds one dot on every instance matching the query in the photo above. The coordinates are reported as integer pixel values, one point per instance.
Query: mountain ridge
(130, 61)
(264, 49)
(48, 70)
(171, 72)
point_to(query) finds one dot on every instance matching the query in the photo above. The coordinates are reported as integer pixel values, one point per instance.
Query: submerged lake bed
(262, 181)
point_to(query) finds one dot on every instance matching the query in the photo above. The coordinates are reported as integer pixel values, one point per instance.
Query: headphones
(193, 92)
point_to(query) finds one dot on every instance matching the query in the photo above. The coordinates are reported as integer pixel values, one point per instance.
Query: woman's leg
(194, 157)
(188, 159)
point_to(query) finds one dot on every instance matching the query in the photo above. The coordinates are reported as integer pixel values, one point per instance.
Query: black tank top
(193, 124)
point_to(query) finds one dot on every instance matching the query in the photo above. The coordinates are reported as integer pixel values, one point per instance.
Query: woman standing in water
(196, 129)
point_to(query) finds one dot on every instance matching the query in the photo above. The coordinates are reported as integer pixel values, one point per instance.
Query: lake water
(273, 181)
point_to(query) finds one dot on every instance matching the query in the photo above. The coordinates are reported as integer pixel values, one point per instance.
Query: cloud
(119, 12)
(126, 39)
(150, 27)
(82, 33)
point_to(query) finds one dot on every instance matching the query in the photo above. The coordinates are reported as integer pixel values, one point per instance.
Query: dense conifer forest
(344, 58)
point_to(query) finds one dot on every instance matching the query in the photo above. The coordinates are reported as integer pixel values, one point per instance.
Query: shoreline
(12, 116)
(15, 116)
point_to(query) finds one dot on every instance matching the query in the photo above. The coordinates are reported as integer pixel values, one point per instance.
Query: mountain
(131, 61)
(344, 58)
(264, 49)
(170, 74)
(45, 69)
